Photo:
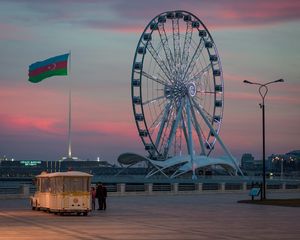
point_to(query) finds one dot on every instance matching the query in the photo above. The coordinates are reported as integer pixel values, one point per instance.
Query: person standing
(93, 195)
(104, 195)
(98, 195)
(101, 194)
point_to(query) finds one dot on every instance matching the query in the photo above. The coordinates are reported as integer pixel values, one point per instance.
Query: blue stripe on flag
(60, 58)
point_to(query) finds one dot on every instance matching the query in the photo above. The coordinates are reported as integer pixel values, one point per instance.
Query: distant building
(285, 163)
(277, 164)
(294, 158)
(31, 168)
(247, 161)
(258, 165)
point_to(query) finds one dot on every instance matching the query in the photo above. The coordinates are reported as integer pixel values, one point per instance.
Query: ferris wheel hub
(180, 89)
(192, 89)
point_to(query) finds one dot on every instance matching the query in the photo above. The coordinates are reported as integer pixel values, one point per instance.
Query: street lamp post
(263, 90)
(281, 169)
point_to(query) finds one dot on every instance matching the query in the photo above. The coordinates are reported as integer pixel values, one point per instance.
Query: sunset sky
(256, 40)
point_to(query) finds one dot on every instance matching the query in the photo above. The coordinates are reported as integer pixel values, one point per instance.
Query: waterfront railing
(123, 189)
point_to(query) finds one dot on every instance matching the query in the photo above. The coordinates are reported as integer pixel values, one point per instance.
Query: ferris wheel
(177, 87)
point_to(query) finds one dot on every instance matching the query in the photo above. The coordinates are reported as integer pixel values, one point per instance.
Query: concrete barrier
(24, 190)
(149, 188)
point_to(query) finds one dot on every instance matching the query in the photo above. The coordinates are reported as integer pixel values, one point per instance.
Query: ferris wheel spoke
(202, 133)
(188, 71)
(167, 81)
(205, 88)
(173, 129)
(208, 92)
(201, 85)
(199, 100)
(186, 45)
(185, 134)
(199, 74)
(161, 63)
(158, 116)
(154, 78)
(198, 105)
(153, 100)
(176, 41)
(162, 124)
(166, 129)
(197, 128)
(165, 44)
(156, 121)
(154, 125)
(208, 119)
(162, 103)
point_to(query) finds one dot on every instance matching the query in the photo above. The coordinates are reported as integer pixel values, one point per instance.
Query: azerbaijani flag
(55, 66)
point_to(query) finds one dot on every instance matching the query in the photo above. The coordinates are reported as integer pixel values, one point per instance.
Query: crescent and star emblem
(52, 66)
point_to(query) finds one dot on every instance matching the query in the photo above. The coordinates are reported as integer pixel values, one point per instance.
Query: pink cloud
(255, 96)
(284, 93)
(17, 124)
(218, 14)
(262, 11)
(132, 16)
(27, 104)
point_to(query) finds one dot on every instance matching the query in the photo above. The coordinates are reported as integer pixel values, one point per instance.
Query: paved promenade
(205, 216)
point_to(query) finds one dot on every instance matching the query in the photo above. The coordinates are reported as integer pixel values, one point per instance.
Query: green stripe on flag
(55, 72)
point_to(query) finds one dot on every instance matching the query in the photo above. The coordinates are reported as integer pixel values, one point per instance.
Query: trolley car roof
(65, 174)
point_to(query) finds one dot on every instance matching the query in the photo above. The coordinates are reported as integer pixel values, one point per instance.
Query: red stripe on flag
(47, 68)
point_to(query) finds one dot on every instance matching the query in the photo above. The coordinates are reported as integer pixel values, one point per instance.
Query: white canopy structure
(179, 164)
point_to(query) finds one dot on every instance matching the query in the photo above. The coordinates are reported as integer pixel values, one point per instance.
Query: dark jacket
(101, 192)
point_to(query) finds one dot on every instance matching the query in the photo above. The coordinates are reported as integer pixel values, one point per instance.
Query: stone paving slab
(206, 216)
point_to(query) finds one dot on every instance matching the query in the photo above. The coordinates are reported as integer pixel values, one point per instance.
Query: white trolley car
(63, 192)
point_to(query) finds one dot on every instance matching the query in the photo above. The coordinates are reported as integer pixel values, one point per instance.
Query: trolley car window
(45, 185)
(75, 184)
(52, 188)
(59, 184)
(38, 187)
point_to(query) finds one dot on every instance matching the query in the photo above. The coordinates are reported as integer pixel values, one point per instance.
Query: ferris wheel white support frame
(198, 131)
(173, 129)
(218, 137)
(162, 125)
(190, 142)
(156, 170)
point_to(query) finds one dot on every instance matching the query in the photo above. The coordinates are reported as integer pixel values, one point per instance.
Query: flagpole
(70, 100)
